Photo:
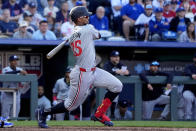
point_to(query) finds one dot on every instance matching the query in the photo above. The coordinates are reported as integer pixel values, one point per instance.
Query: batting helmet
(68, 69)
(78, 11)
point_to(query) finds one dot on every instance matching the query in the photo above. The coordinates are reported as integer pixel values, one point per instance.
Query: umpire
(152, 94)
(189, 92)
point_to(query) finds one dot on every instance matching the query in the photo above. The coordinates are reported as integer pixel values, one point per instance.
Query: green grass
(176, 124)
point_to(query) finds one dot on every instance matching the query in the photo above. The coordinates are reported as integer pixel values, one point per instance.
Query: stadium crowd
(145, 20)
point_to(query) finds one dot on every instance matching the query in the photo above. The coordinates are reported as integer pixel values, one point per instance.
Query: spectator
(1, 10)
(117, 19)
(158, 24)
(188, 13)
(122, 112)
(189, 35)
(27, 16)
(60, 91)
(61, 17)
(7, 97)
(152, 94)
(23, 4)
(67, 28)
(115, 67)
(191, 3)
(189, 92)
(130, 13)
(167, 12)
(41, 4)
(178, 24)
(51, 9)
(99, 20)
(73, 3)
(147, 2)
(174, 5)
(43, 33)
(157, 3)
(7, 27)
(43, 101)
(36, 16)
(51, 21)
(22, 33)
(142, 23)
(15, 9)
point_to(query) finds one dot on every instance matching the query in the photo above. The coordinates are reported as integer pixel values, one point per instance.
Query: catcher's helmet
(78, 11)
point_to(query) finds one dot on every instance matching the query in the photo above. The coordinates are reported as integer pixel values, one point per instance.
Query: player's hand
(194, 76)
(150, 87)
(54, 103)
(168, 86)
(23, 72)
(155, 26)
(119, 72)
(126, 72)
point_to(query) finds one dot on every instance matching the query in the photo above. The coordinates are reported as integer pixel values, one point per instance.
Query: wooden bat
(56, 49)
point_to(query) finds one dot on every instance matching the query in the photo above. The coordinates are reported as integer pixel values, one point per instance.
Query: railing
(138, 92)
(25, 78)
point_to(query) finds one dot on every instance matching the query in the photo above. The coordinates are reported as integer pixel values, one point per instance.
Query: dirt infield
(63, 128)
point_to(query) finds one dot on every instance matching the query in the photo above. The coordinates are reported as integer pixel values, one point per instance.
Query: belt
(87, 70)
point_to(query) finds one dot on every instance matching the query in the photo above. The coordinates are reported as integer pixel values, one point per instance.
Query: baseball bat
(56, 49)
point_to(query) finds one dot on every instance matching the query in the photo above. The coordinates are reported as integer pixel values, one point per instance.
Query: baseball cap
(68, 69)
(148, 6)
(155, 63)
(123, 103)
(114, 53)
(32, 5)
(79, 3)
(13, 57)
(157, 10)
(23, 24)
(27, 13)
(180, 9)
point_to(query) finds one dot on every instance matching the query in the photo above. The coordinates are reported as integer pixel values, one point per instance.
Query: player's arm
(95, 33)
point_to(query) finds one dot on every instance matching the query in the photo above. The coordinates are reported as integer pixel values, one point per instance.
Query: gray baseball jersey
(83, 45)
(44, 103)
(81, 81)
(7, 98)
(61, 89)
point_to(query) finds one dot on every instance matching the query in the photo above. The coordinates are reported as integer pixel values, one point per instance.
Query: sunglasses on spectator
(84, 17)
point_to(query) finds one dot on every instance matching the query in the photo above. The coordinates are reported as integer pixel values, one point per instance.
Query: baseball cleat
(4, 123)
(41, 118)
(104, 120)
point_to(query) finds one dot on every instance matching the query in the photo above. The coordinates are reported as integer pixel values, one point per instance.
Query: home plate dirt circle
(64, 128)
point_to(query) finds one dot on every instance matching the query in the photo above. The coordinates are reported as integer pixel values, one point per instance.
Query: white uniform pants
(81, 83)
(190, 105)
(148, 106)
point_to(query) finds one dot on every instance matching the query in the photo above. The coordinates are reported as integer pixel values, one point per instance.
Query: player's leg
(60, 116)
(104, 79)
(148, 107)
(188, 99)
(163, 99)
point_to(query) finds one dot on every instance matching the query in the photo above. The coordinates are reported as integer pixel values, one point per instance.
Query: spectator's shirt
(143, 19)
(175, 21)
(169, 15)
(184, 37)
(189, 71)
(49, 11)
(148, 95)
(14, 10)
(127, 116)
(61, 89)
(112, 68)
(49, 35)
(67, 29)
(10, 26)
(99, 24)
(190, 16)
(118, 3)
(160, 28)
(132, 11)
(19, 35)
(44, 103)
(60, 17)
(41, 4)
(181, 25)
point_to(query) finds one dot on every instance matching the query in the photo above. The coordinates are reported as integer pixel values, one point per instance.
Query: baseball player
(60, 91)
(85, 75)
(7, 98)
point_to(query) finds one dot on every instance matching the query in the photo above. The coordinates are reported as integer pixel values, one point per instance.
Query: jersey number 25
(77, 50)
